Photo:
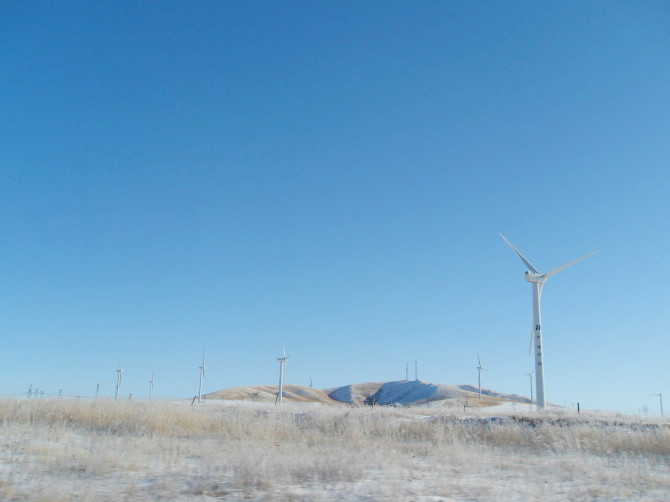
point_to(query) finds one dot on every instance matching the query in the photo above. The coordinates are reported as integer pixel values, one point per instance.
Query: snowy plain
(98, 450)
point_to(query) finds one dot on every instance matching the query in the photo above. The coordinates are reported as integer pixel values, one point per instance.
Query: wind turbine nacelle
(531, 277)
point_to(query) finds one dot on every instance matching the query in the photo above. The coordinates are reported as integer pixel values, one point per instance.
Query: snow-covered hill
(403, 392)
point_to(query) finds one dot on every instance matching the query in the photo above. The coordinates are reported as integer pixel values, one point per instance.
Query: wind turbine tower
(537, 279)
(202, 375)
(416, 371)
(282, 368)
(479, 375)
(660, 399)
(118, 380)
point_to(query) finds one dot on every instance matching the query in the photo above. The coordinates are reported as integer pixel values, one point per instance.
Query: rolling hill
(402, 392)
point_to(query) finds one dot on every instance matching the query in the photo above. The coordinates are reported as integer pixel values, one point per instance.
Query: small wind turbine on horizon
(479, 374)
(202, 375)
(118, 380)
(537, 279)
(151, 385)
(530, 377)
(282, 369)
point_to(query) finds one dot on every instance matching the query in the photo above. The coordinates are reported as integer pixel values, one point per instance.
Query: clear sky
(331, 177)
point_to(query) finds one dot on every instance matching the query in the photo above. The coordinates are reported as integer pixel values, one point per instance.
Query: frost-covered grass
(60, 449)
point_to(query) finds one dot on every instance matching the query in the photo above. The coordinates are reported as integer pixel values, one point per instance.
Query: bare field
(66, 450)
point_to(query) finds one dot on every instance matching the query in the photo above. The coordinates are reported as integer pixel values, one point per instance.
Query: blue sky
(332, 177)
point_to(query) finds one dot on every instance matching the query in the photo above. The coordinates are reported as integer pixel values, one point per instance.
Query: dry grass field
(99, 450)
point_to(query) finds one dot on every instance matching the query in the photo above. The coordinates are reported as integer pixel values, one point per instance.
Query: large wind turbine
(202, 374)
(118, 380)
(537, 279)
(479, 375)
(282, 368)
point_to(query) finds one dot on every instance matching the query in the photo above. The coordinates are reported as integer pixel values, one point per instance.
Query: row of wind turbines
(202, 369)
(532, 275)
(120, 370)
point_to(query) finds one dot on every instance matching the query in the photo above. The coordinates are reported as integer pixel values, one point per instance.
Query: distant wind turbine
(479, 374)
(118, 380)
(202, 374)
(282, 368)
(538, 279)
(530, 377)
(151, 385)
(660, 399)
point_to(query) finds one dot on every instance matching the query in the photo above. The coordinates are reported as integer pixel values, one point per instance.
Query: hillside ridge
(401, 392)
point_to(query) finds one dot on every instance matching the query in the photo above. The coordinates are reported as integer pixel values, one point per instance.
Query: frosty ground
(97, 450)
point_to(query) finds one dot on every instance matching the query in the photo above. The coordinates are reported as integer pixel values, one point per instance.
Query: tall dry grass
(119, 450)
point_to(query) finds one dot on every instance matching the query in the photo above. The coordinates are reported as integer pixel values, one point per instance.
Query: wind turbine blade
(523, 258)
(563, 267)
(478, 360)
(530, 345)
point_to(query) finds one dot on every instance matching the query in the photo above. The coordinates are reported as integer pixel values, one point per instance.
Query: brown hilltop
(268, 394)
